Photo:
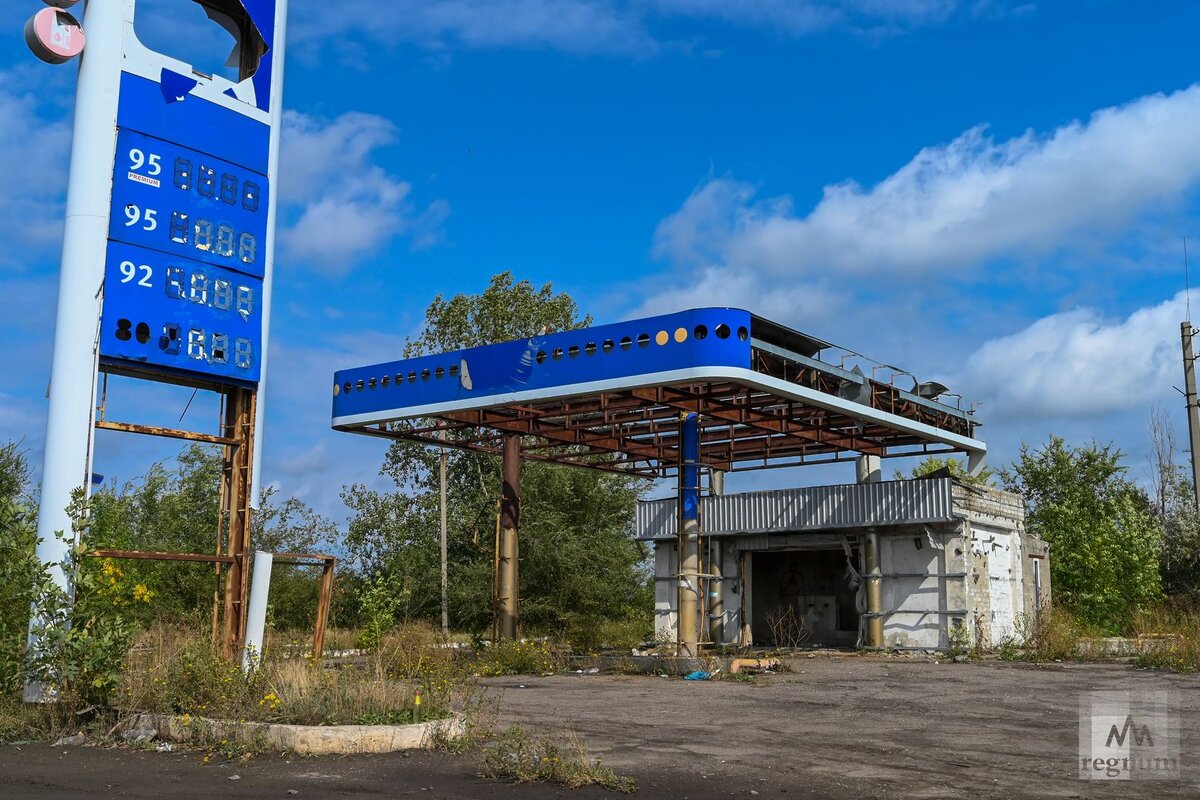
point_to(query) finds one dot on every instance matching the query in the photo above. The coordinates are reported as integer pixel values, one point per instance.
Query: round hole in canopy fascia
(722, 331)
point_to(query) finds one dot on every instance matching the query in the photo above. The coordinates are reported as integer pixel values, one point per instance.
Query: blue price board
(177, 313)
(182, 202)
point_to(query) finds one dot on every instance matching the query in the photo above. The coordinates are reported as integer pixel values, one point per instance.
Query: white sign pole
(66, 463)
(269, 265)
(256, 617)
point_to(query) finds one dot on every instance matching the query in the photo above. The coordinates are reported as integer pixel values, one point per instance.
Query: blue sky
(992, 194)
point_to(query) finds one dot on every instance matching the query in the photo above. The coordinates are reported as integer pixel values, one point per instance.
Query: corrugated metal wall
(812, 508)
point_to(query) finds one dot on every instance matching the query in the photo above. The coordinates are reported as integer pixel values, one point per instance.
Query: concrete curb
(314, 740)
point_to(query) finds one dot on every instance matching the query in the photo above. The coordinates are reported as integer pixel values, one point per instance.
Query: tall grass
(175, 671)
(1168, 638)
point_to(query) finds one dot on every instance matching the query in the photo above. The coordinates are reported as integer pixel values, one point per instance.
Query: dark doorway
(802, 598)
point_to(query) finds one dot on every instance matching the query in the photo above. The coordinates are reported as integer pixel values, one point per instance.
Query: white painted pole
(256, 617)
(269, 262)
(66, 462)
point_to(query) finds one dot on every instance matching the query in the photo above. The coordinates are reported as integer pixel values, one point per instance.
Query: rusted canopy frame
(635, 431)
(606, 461)
(884, 397)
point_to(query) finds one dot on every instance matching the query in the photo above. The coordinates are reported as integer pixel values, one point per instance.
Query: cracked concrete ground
(855, 726)
(846, 726)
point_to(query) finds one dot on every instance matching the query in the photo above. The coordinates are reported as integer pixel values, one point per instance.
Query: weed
(25, 722)
(520, 757)
(788, 629)
(960, 638)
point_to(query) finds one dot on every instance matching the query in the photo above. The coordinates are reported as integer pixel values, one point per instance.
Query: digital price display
(183, 277)
(169, 198)
(178, 313)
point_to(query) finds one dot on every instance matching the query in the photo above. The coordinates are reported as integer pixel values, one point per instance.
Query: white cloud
(806, 304)
(622, 27)
(1080, 363)
(35, 147)
(799, 18)
(316, 465)
(585, 26)
(959, 204)
(344, 208)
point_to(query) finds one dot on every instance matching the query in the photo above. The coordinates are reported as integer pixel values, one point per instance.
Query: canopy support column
(688, 635)
(510, 517)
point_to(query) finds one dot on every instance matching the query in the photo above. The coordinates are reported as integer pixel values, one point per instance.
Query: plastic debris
(139, 735)
(71, 741)
(698, 675)
(591, 671)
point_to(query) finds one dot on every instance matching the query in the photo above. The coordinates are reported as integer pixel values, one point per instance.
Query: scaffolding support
(237, 477)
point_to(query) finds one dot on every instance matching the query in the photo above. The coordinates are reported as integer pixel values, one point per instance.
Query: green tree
(19, 567)
(1100, 525)
(578, 562)
(1174, 501)
(954, 467)
(175, 507)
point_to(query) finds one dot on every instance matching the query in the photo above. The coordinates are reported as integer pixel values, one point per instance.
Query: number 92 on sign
(180, 314)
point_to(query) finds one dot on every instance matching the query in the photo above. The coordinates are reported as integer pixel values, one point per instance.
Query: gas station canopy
(610, 397)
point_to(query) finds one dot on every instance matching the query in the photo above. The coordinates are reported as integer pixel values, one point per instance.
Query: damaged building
(925, 564)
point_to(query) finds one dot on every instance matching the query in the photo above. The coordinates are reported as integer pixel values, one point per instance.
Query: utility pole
(445, 581)
(1186, 332)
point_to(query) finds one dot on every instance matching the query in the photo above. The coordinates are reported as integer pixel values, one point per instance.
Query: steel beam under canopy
(610, 397)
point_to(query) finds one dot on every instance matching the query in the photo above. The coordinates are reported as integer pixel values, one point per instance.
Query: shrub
(509, 657)
(1169, 639)
(587, 634)
(81, 643)
(378, 602)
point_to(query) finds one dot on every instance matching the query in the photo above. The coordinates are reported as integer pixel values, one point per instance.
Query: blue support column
(688, 626)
